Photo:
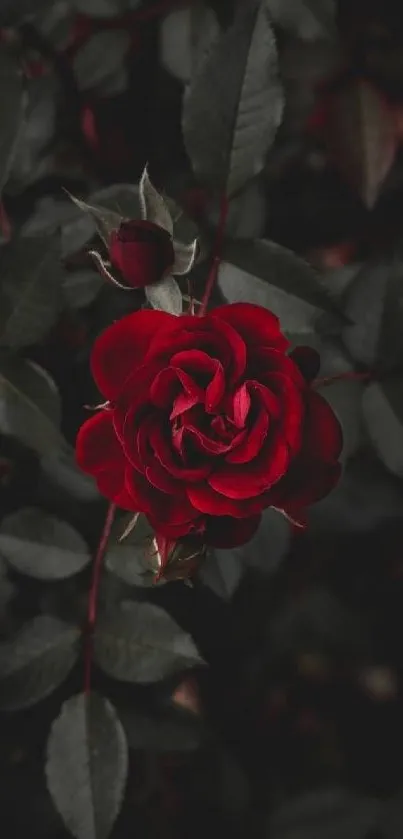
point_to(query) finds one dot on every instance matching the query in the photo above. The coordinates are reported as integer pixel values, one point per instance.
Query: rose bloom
(142, 251)
(208, 423)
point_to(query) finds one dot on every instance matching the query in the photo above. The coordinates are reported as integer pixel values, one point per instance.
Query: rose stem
(93, 594)
(216, 256)
(5, 225)
(351, 376)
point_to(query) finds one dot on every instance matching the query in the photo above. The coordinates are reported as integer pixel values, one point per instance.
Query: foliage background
(274, 709)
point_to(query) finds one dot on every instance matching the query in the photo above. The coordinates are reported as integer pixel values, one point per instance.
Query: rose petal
(254, 478)
(241, 406)
(323, 435)
(123, 346)
(204, 498)
(253, 441)
(308, 361)
(168, 459)
(264, 361)
(226, 532)
(111, 484)
(256, 325)
(306, 483)
(216, 389)
(97, 446)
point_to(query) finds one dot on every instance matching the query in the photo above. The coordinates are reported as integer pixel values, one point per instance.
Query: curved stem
(216, 256)
(93, 593)
(348, 376)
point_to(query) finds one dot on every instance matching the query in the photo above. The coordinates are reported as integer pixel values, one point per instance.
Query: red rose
(142, 251)
(209, 422)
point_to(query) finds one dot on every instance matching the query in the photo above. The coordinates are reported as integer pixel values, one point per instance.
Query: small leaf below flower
(165, 295)
(87, 765)
(141, 643)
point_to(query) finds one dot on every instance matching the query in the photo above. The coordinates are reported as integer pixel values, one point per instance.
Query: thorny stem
(351, 376)
(216, 256)
(93, 593)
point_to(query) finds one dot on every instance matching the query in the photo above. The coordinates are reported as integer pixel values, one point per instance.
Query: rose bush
(208, 422)
(142, 251)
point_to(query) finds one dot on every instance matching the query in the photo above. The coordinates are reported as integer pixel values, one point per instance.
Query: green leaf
(309, 20)
(30, 407)
(140, 642)
(326, 813)
(36, 661)
(234, 104)
(80, 288)
(374, 306)
(30, 290)
(12, 100)
(382, 406)
(269, 275)
(42, 546)
(87, 765)
(165, 295)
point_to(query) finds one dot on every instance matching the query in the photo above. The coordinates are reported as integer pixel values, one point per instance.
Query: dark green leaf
(382, 405)
(307, 19)
(328, 813)
(269, 275)
(12, 103)
(87, 765)
(140, 642)
(374, 305)
(80, 288)
(61, 469)
(165, 295)
(30, 290)
(29, 405)
(160, 732)
(234, 103)
(100, 58)
(36, 661)
(41, 546)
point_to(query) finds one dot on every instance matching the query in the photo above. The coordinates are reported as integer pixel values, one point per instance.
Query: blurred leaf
(12, 103)
(175, 44)
(80, 288)
(233, 105)
(382, 406)
(165, 295)
(223, 569)
(30, 290)
(374, 305)
(30, 407)
(87, 765)
(36, 661)
(204, 32)
(104, 8)
(41, 546)
(269, 275)
(361, 138)
(142, 643)
(7, 589)
(160, 732)
(61, 469)
(14, 11)
(307, 19)
(365, 496)
(329, 813)
(99, 59)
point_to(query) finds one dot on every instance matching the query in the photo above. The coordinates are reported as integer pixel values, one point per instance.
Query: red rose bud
(142, 251)
(210, 422)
